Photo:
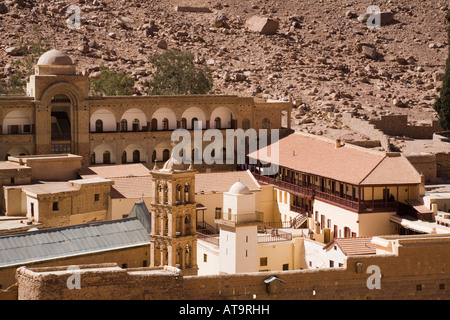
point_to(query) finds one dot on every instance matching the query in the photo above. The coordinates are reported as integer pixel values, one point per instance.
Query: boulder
(385, 18)
(369, 52)
(262, 25)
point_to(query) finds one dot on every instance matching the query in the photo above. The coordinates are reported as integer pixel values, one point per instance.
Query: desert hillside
(322, 55)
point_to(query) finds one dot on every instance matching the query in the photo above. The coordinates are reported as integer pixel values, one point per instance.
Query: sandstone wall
(417, 272)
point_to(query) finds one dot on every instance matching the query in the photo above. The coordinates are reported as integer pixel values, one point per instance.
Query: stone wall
(133, 257)
(418, 270)
(397, 125)
(366, 128)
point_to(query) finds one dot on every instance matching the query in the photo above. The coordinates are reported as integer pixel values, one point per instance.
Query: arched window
(245, 124)
(217, 123)
(154, 124)
(266, 123)
(187, 193)
(93, 158)
(195, 155)
(124, 157)
(124, 125)
(136, 156)
(165, 123)
(194, 123)
(136, 125)
(99, 126)
(154, 156)
(166, 154)
(178, 194)
(106, 157)
(183, 123)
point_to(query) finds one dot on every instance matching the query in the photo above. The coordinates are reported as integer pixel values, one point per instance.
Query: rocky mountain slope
(322, 56)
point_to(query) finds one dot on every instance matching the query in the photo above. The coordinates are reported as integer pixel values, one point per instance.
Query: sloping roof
(57, 243)
(120, 170)
(347, 163)
(141, 212)
(220, 182)
(132, 187)
(353, 246)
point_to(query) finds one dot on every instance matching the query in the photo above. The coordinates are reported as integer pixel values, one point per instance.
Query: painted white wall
(238, 251)
(162, 113)
(132, 114)
(100, 149)
(224, 114)
(338, 216)
(210, 253)
(316, 257)
(194, 112)
(16, 117)
(108, 118)
(131, 148)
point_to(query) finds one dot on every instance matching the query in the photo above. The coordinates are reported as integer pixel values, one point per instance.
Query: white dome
(239, 188)
(54, 58)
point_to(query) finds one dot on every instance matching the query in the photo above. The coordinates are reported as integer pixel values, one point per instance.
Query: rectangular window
(205, 257)
(26, 128)
(331, 264)
(96, 197)
(144, 263)
(285, 266)
(441, 286)
(263, 262)
(55, 206)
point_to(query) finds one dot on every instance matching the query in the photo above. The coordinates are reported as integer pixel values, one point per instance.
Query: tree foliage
(176, 74)
(111, 83)
(442, 104)
(24, 67)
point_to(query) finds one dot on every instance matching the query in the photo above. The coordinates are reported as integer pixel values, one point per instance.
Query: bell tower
(173, 212)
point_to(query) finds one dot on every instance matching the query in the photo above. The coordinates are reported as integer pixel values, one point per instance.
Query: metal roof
(56, 243)
(141, 212)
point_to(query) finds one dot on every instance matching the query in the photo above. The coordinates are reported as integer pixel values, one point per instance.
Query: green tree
(442, 104)
(111, 83)
(175, 73)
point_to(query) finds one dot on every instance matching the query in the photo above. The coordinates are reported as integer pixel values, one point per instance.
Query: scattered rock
(13, 51)
(3, 8)
(369, 52)
(219, 21)
(162, 44)
(262, 25)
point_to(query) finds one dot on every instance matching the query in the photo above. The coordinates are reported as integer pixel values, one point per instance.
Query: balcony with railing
(256, 216)
(311, 191)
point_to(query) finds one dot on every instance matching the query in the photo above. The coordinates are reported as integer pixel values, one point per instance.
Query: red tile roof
(353, 246)
(348, 163)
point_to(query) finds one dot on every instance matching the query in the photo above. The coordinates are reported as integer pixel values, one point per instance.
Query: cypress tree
(442, 104)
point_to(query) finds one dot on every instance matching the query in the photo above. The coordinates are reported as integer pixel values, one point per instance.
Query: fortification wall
(419, 271)
(397, 125)
(366, 128)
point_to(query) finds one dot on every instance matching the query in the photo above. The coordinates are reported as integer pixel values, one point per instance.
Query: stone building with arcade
(58, 115)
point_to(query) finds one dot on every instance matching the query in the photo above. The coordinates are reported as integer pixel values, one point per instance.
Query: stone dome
(54, 58)
(239, 188)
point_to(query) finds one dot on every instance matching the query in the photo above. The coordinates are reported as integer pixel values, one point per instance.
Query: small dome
(54, 58)
(239, 188)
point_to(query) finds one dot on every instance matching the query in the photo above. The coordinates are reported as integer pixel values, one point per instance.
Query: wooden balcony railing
(347, 202)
